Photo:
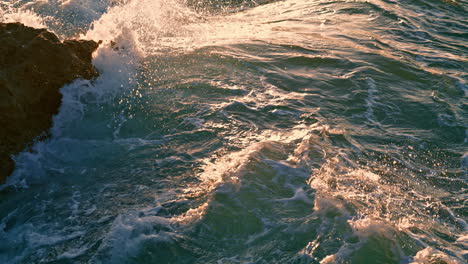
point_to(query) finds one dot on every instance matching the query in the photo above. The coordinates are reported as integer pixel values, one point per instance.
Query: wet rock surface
(34, 65)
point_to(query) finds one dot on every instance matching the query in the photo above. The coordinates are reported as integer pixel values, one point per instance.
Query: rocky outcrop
(34, 65)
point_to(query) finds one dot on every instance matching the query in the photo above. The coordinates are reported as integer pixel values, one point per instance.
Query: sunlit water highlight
(249, 132)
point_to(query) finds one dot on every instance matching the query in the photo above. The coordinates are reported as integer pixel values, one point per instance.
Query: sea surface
(295, 131)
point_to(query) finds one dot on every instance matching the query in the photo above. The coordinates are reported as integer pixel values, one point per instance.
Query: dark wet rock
(34, 65)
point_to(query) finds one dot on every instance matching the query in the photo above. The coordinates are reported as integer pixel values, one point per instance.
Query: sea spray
(293, 132)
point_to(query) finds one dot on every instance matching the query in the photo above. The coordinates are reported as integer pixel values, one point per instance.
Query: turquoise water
(249, 132)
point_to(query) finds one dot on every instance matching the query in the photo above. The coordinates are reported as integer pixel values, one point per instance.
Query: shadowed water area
(287, 131)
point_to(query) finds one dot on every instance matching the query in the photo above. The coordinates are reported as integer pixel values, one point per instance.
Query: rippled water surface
(287, 131)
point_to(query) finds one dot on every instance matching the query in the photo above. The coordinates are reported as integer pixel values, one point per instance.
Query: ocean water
(249, 131)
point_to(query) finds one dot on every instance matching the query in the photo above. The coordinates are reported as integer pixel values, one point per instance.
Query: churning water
(295, 131)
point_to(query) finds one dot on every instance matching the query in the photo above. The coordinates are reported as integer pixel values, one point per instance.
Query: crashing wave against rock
(34, 65)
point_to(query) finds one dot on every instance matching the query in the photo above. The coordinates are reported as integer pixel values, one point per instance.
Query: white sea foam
(132, 30)
(226, 168)
(365, 229)
(430, 255)
(129, 232)
(360, 197)
(371, 100)
(74, 253)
